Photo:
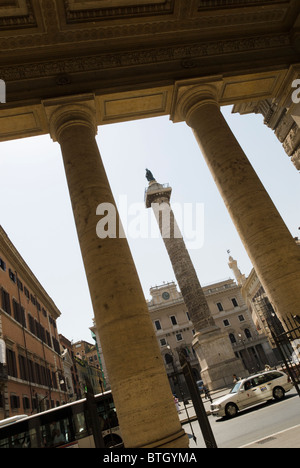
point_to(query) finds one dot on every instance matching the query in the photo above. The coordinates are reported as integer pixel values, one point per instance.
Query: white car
(252, 391)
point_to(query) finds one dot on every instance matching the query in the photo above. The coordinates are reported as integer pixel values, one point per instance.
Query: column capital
(192, 94)
(67, 111)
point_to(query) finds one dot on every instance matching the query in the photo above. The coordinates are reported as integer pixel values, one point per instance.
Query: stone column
(268, 242)
(158, 198)
(214, 351)
(141, 391)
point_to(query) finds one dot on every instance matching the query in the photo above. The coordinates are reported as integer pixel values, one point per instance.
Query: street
(251, 425)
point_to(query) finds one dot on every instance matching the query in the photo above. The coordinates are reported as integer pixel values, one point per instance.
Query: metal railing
(288, 345)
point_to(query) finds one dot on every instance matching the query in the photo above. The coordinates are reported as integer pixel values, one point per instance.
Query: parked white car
(252, 391)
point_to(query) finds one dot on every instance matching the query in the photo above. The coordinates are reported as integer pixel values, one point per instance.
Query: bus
(67, 426)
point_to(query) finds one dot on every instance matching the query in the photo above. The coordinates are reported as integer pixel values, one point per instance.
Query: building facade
(175, 332)
(259, 304)
(105, 376)
(31, 370)
(88, 366)
(71, 373)
(234, 317)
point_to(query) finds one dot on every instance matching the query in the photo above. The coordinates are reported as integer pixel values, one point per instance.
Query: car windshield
(236, 387)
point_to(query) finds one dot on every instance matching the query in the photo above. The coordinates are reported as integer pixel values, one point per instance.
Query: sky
(36, 213)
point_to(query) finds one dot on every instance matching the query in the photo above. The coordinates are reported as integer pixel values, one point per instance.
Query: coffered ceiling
(53, 47)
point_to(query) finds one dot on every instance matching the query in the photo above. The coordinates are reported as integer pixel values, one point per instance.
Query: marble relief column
(267, 240)
(214, 351)
(141, 391)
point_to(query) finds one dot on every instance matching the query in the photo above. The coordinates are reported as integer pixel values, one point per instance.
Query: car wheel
(278, 393)
(231, 410)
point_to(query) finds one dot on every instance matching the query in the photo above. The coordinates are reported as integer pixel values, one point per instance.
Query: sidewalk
(190, 412)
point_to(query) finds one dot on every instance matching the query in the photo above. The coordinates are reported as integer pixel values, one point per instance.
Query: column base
(177, 440)
(217, 360)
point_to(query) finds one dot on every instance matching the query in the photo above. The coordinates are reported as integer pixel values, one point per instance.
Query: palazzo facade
(31, 367)
(71, 66)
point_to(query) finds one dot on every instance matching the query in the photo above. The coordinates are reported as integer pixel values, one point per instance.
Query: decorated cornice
(187, 54)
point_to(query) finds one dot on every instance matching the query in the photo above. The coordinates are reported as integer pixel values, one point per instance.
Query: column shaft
(140, 387)
(214, 352)
(183, 267)
(267, 240)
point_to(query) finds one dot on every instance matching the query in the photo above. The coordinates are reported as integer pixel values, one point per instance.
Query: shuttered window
(5, 301)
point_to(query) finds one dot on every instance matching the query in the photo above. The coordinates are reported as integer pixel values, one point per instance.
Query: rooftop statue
(149, 175)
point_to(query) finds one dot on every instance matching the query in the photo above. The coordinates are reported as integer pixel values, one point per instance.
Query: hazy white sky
(35, 209)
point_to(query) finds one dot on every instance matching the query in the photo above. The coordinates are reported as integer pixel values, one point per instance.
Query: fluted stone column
(268, 242)
(141, 391)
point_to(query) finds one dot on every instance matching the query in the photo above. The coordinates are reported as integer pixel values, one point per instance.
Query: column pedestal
(216, 358)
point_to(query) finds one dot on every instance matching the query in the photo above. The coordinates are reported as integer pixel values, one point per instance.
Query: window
(12, 276)
(247, 333)
(56, 345)
(6, 302)
(23, 367)
(241, 318)
(173, 320)
(2, 264)
(31, 324)
(220, 307)
(259, 380)
(234, 302)
(11, 363)
(19, 313)
(226, 323)
(26, 292)
(157, 325)
(14, 401)
(48, 339)
(168, 358)
(179, 337)
(26, 402)
(273, 375)
(232, 338)
(163, 342)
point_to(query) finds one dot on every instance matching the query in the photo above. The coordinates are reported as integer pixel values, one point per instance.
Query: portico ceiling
(112, 48)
